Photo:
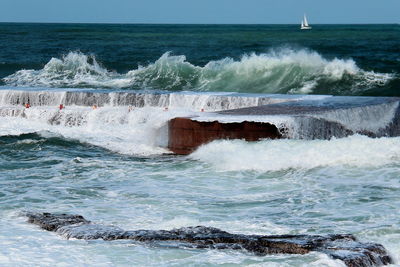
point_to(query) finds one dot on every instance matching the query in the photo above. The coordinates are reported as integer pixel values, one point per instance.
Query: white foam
(195, 101)
(274, 155)
(73, 70)
(325, 260)
(367, 118)
(142, 131)
(278, 71)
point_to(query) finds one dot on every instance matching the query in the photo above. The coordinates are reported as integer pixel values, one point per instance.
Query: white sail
(304, 24)
(305, 21)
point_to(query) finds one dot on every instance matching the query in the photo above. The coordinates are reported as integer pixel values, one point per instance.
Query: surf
(137, 122)
(282, 70)
(278, 155)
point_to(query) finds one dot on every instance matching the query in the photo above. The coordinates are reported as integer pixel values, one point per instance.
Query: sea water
(112, 166)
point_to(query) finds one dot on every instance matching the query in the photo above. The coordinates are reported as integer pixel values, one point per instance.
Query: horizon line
(181, 23)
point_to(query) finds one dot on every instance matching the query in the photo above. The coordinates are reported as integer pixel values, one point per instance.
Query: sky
(201, 11)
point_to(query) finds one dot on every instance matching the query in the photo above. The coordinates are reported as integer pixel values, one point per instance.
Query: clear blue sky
(201, 11)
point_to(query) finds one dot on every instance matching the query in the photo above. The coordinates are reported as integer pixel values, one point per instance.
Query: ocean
(112, 166)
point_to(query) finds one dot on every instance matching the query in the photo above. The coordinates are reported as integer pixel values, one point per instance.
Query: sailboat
(304, 24)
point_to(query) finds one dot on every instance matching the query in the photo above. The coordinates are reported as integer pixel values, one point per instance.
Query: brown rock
(185, 134)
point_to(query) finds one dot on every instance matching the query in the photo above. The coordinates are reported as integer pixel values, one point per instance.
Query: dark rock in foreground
(344, 247)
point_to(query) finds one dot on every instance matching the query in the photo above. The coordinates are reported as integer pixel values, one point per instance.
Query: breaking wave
(276, 155)
(139, 132)
(278, 71)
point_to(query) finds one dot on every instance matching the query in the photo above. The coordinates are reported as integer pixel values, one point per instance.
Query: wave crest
(73, 70)
(276, 155)
(278, 71)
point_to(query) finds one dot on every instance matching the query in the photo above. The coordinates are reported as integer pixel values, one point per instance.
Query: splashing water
(279, 71)
(275, 155)
(109, 164)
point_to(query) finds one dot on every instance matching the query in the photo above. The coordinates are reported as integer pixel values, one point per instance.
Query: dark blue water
(330, 59)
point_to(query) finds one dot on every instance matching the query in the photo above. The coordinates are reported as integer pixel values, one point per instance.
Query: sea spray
(276, 155)
(47, 171)
(278, 71)
(139, 132)
(136, 123)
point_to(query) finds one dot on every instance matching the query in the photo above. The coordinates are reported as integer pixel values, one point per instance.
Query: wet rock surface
(186, 135)
(344, 247)
(52, 222)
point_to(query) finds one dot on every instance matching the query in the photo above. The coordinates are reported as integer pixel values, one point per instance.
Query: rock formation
(344, 247)
(185, 135)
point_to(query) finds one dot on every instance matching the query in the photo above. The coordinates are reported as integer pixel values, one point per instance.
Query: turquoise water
(48, 173)
(111, 166)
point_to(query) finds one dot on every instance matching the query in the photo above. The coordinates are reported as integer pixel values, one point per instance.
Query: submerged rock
(344, 247)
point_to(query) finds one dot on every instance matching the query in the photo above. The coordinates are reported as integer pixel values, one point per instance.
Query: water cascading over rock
(194, 119)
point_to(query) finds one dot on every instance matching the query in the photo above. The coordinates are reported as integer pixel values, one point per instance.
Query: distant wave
(278, 71)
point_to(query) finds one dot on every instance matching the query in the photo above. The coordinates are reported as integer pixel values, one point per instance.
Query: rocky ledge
(344, 247)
